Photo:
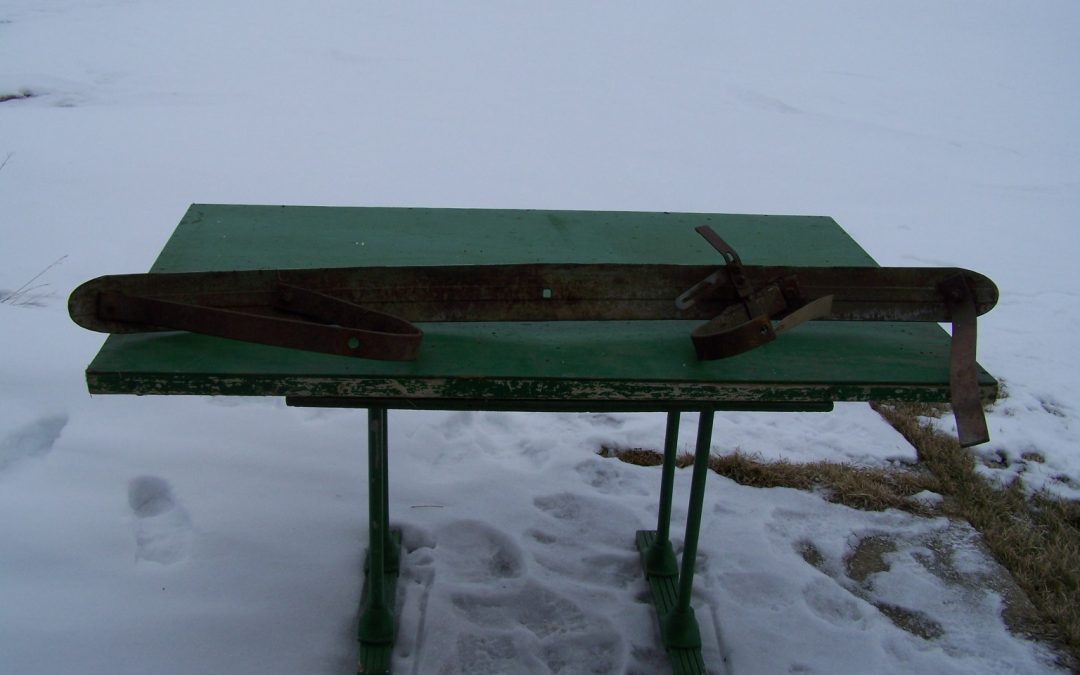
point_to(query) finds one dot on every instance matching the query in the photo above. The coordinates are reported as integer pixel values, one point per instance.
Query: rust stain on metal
(963, 378)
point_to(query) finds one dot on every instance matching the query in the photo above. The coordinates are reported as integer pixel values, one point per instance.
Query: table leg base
(375, 656)
(659, 559)
(664, 591)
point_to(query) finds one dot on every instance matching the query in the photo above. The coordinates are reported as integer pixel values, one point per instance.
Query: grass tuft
(30, 294)
(859, 487)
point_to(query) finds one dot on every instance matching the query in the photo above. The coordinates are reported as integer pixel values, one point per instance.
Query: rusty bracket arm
(339, 327)
(735, 330)
(963, 375)
(747, 324)
(731, 273)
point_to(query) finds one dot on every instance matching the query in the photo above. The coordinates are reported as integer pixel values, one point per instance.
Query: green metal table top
(631, 364)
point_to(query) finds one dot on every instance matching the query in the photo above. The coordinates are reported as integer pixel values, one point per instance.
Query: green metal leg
(679, 628)
(659, 557)
(391, 556)
(376, 657)
(377, 618)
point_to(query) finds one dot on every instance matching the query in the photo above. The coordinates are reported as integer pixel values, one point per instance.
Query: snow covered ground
(210, 535)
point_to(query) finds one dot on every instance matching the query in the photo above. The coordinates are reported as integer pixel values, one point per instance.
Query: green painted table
(610, 366)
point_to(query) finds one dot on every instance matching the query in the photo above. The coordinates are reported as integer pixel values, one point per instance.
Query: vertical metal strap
(963, 373)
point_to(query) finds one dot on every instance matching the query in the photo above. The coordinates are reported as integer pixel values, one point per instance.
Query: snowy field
(197, 535)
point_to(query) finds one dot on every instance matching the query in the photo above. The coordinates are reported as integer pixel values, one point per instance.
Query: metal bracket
(747, 324)
(340, 327)
(732, 272)
(963, 375)
(743, 306)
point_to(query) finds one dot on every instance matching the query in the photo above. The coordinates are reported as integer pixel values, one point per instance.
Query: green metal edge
(375, 658)
(490, 405)
(494, 390)
(664, 590)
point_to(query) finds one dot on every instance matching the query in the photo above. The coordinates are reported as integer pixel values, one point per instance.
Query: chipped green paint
(607, 394)
(630, 364)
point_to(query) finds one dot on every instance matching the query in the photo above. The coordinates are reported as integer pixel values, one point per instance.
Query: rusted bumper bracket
(370, 312)
(747, 324)
(963, 376)
(338, 327)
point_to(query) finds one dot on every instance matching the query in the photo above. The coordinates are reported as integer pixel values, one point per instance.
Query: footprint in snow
(543, 626)
(833, 603)
(162, 526)
(457, 424)
(616, 570)
(461, 554)
(575, 518)
(31, 440)
(607, 477)
(498, 653)
(472, 551)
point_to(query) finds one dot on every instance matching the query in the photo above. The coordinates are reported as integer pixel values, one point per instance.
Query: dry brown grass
(1036, 538)
(858, 487)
